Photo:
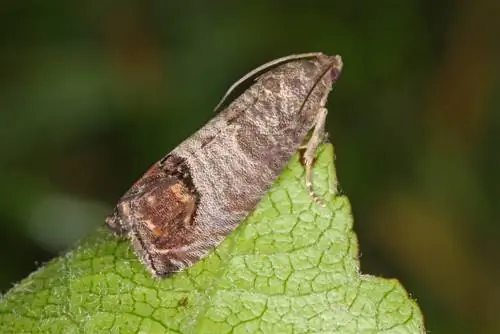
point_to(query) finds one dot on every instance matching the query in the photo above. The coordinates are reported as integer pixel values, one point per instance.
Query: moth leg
(316, 139)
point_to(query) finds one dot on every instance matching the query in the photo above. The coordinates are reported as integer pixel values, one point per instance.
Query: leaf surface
(290, 267)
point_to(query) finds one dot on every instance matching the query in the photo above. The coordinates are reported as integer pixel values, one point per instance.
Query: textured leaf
(291, 267)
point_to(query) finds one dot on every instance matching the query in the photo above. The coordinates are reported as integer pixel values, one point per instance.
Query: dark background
(93, 92)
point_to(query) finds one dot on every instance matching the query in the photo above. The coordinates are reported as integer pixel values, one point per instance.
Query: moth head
(336, 68)
(316, 75)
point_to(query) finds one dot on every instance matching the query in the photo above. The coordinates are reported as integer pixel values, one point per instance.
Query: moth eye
(335, 73)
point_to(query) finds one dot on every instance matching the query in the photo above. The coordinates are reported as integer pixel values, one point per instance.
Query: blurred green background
(93, 92)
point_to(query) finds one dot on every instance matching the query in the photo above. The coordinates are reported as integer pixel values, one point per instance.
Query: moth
(191, 199)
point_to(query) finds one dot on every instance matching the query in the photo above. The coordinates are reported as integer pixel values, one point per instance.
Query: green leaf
(291, 267)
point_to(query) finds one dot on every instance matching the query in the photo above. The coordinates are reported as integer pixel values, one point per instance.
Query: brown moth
(191, 199)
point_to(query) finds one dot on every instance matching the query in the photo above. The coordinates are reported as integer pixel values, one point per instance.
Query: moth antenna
(264, 67)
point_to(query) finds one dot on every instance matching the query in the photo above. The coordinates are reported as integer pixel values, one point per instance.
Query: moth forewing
(191, 199)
